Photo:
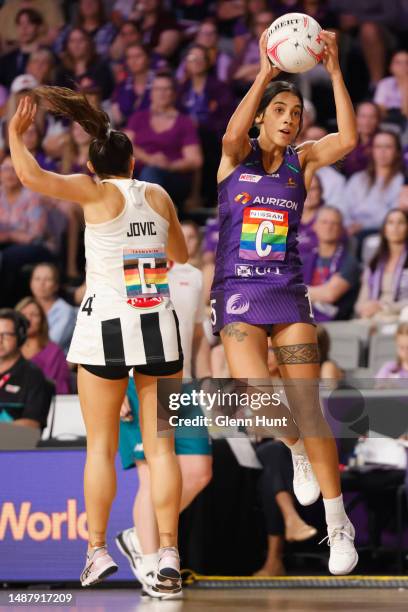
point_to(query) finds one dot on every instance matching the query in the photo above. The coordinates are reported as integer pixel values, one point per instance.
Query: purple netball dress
(258, 275)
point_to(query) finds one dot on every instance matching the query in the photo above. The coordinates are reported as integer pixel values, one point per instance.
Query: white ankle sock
(298, 448)
(149, 562)
(335, 513)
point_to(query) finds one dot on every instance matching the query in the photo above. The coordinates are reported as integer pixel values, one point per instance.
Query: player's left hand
(330, 52)
(24, 116)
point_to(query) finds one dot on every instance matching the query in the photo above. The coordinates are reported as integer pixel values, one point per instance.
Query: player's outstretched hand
(330, 52)
(24, 116)
(266, 68)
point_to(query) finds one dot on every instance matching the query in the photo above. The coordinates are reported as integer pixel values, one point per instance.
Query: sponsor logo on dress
(237, 304)
(276, 202)
(243, 270)
(291, 182)
(250, 178)
(243, 198)
(248, 270)
(144, 302)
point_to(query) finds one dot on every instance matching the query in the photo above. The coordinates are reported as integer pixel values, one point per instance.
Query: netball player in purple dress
(258, 288)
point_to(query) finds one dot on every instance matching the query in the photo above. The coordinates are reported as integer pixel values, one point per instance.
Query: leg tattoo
(232, 330)
(296, 354)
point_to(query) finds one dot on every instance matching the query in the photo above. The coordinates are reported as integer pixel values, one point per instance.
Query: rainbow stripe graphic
(263, 234)
(145, 272)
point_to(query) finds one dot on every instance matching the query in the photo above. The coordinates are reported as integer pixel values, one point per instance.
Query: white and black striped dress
(126, 317)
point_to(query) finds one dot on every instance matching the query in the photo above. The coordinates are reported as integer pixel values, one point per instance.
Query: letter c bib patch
(263, 234)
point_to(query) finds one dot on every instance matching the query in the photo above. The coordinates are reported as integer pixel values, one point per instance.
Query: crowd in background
(170, 74)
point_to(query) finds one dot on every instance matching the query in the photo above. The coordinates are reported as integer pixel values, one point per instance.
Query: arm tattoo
(297, 354)
(232, 330)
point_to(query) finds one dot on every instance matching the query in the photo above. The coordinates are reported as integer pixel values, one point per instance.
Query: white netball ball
(293, 43)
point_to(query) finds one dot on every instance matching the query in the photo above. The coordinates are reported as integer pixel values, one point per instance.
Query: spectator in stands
(209, 103)
(128, 34)
(33, 139)
(330, 270)
(38, 348)
(49, 10)
(160, 30)
(370, 20)
(133, 93)
(368, 117)
(332, 181)
(166, 142)
(307, 238)
(79, 60)
(192, 237)
(25, 395)
(28, 23)
(398, 368)
(41, 65)
(245, 24)
(329, 369)
(44, 285)
(390, 94)
(220, 62)
(91, 18)
(246, 64)
(370, 194)
(384, 289)
(23, 227)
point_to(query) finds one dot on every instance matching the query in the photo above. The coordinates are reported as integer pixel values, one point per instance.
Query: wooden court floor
(230, 600)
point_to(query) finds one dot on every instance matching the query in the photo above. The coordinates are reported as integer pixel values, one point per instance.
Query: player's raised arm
(333, 147)
(76, 188)
(235, 143)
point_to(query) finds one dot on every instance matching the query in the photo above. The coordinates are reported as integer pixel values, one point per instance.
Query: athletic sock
(298, 448)
(149, 562)
(335, 513)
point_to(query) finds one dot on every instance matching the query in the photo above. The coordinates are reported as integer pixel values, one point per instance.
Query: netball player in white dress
(126, 318)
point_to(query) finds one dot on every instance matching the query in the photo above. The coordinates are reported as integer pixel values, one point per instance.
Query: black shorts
(111, 372)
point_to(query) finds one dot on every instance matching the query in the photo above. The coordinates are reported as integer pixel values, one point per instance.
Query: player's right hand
(266, 66)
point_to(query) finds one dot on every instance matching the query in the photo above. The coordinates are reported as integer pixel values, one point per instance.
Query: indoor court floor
(228, 600)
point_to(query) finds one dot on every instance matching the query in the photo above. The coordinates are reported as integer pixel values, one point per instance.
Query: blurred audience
(25, 395)
(368, 120)
(133, 93)
(384, 288)
(38, 348)
(390, 93)
(23, 232)
(209, 102)
(28, 23)
(79, 59)
(330, 270)
(51, 18)
(61, 316)
(370, 194)
(166, 143)
(399, 367)
(192, 237)
(307, 238)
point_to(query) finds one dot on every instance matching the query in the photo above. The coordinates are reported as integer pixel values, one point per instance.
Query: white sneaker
(167, 584)
(129, 545)
(343, 555)
(305, 485)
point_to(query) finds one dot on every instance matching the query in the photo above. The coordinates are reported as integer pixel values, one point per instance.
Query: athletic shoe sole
(111, 569)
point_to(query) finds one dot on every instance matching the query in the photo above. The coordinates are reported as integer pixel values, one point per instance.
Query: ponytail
(110, 151)
(75, 106)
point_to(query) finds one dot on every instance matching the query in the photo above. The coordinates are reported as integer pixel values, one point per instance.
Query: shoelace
(336, 531)
(302, 466)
